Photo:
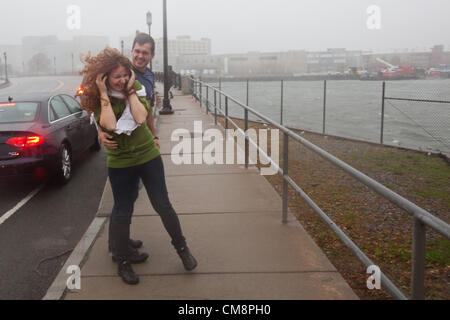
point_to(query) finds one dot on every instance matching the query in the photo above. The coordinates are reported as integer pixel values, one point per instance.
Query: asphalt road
(54, 220)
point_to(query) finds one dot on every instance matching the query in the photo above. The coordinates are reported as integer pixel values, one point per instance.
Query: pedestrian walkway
(231, 218)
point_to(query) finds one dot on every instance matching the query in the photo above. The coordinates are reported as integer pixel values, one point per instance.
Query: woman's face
(118, 79)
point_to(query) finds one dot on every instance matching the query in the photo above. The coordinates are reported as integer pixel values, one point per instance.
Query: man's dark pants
(125, 186)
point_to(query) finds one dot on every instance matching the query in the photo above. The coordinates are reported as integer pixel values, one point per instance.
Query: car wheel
(64, 166)
(96, 146)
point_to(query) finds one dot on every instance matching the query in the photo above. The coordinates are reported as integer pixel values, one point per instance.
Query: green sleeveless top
(133, 150)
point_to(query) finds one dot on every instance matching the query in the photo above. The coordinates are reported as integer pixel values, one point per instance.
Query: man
(143, 51)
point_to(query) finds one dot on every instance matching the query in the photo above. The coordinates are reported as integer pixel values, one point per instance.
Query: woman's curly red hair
(104, 63)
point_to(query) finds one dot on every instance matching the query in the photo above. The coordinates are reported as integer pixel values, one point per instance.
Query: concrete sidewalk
(231, 218)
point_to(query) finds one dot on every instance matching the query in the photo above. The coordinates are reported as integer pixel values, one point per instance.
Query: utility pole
(6, 67)
(167, 108)
(149, 23)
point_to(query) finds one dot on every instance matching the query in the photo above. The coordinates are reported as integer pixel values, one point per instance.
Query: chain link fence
(411, 114)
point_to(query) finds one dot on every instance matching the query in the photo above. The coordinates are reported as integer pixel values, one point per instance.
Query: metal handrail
(422, 218)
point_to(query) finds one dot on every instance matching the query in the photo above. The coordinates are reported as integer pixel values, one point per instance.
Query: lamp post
(72, 65)
(54, 64)
(121, 44)
(149, 23)
(6, 67)
(167, 108)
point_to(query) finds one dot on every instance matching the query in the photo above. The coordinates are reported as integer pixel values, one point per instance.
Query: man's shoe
(136, 257)
(136, 244)
(127, 274)
(188, 259)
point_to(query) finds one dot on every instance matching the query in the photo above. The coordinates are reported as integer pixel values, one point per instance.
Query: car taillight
(25, 142)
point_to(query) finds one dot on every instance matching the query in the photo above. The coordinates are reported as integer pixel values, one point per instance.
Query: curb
(59, 285)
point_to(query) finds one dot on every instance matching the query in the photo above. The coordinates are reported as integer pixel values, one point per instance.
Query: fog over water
(242, 26)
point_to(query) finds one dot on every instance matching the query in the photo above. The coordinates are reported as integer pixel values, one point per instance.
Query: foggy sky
(237, 26)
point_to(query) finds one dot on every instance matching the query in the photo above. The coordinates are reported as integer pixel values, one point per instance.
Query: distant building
(245, 64)
(182, 45)
(423, 60)
(334, 60)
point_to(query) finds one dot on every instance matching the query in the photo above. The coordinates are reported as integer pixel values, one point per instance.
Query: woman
(118, 104)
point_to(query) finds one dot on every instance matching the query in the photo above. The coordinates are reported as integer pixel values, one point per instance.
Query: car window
(51, 114)
(60, 107)
(18, 111)
(72, 103)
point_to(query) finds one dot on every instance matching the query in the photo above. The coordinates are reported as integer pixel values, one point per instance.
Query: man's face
(141, 55)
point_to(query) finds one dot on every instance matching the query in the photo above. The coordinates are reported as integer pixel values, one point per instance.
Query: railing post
(215, 106)
(282, 102)
(246, 140)
(226, 113)
(220, 95)
(247, 92)
(382, 113)
(324, 105)
(418, 261)
(285, 174)
(246, 129)
(207, 99)
(201, 92)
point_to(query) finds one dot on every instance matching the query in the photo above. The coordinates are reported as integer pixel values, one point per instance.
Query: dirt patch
(379, 228)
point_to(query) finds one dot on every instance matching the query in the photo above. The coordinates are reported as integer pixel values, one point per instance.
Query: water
(353, 109)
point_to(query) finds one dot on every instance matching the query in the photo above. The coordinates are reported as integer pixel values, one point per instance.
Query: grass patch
(438, 252)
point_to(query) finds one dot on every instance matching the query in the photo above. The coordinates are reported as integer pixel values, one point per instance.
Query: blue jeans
(125, 188)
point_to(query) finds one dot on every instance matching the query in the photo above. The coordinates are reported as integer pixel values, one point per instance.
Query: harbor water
(354, 109)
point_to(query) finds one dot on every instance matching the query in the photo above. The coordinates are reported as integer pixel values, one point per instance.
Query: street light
(149, 23)
(6, 67)
(167, 108)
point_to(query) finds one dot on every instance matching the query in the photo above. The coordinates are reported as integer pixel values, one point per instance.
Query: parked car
(43, 133)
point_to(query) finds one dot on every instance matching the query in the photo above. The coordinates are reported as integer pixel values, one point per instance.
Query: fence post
(418, 261)
(201, 92)
(382, 113)
(220, 95)
(226, 115)
(246, 140)
(285, 174)
(207, 99)
(282, 102)
(215, 106)
(247, 101)
(246, 129)
(324, 105)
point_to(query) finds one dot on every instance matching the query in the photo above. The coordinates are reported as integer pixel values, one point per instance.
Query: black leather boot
(127, 274)
(188, 259)
(136, 244)
(136, 257)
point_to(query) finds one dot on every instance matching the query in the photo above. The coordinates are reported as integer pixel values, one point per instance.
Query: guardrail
(422, 218)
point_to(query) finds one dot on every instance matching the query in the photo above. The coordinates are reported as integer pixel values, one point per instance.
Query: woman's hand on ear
(101, 83)
(130, 86)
